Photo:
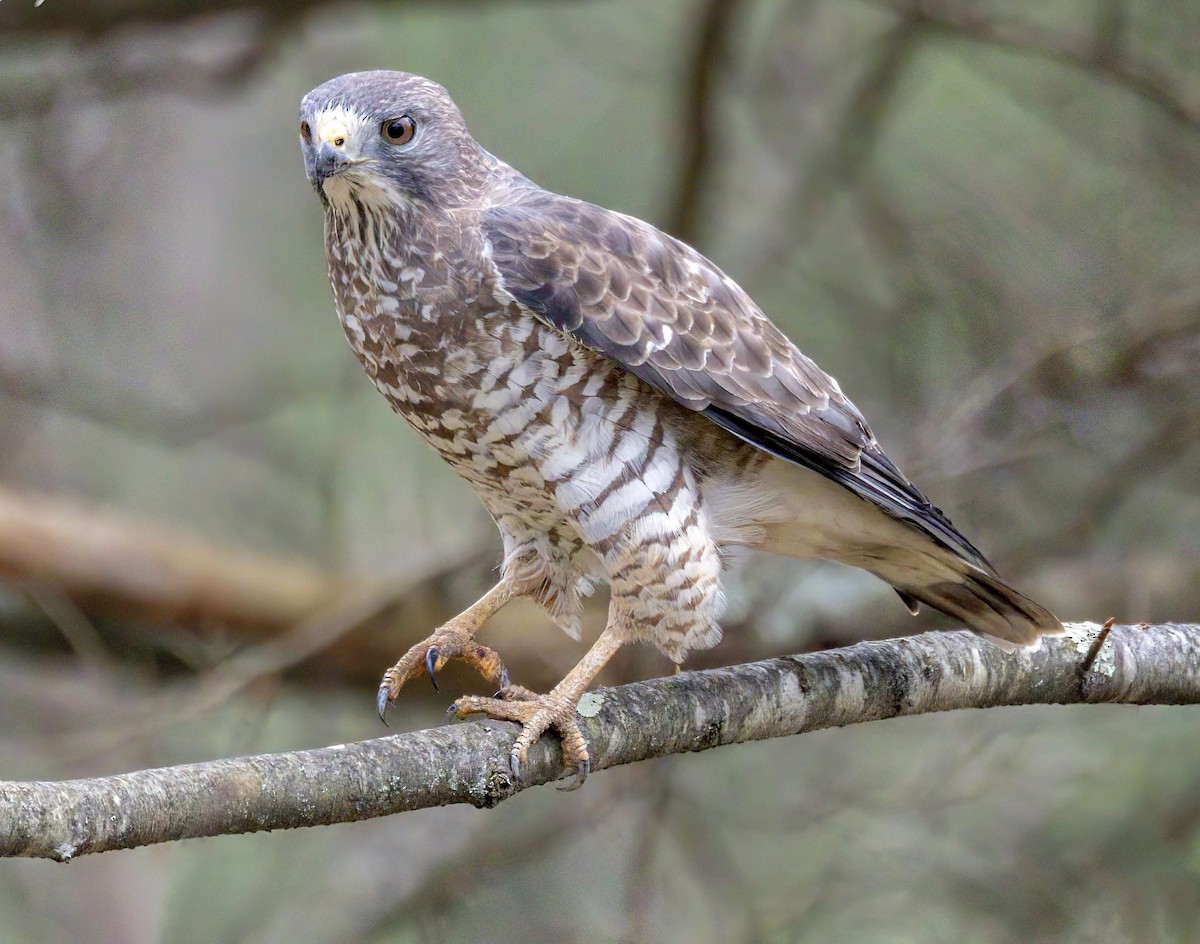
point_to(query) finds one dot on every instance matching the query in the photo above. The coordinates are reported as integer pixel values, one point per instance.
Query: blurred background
(982, 217)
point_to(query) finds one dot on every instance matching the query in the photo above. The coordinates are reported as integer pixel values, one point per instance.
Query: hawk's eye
(398, 130)
(306, 132)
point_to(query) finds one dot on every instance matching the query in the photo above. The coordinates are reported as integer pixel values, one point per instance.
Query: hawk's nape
(622, 408)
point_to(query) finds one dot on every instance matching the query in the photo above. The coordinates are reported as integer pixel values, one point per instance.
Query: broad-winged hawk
(623, 409)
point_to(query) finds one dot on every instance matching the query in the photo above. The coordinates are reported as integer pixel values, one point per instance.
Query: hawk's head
(387, 136)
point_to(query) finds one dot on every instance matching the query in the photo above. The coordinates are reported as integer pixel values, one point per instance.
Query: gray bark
(693, 711)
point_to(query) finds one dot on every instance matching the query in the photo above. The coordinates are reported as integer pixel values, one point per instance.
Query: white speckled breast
(581, 465)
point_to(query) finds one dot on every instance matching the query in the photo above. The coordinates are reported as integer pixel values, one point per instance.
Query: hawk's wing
(673, 319)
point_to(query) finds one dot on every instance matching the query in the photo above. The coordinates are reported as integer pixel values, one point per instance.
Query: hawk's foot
(453, 640)
(535, 714)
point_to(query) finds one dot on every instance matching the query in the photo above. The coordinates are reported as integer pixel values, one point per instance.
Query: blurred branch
(1104, 53)
(154, 420)
(115, 49)
(853, 140)
(701, 125)
(1169, 443)
(839, 166)
(72, 561)
(97, 17)
(98, 558)
(104, 67)
(692, 711)
(93, 18)
(489, 859)
(270, 658)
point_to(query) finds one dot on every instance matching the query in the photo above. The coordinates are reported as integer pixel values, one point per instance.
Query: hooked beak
(328, 161)
(331, 152)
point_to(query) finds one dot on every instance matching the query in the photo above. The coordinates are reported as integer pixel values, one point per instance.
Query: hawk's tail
(800, 513)
(960, 589)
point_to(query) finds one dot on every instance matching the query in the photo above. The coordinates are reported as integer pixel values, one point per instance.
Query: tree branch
(1100, 52)
(95, 556)
(98, 17)
(700, 125)
(692, 711)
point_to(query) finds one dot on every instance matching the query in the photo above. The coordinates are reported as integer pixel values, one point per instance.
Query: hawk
(623, 409)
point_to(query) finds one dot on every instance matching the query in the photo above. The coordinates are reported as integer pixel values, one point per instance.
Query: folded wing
(673, 319)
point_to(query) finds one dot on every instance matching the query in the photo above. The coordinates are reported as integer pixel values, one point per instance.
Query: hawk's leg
(535, 713)
(455, 639)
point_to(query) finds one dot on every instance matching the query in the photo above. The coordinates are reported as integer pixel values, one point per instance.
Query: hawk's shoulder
(650, 302)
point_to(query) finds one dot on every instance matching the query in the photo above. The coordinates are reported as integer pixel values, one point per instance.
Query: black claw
(381, 702)
(430, 662)
(451, 712)
(514, 764)
(581, 774)
(505, 681)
